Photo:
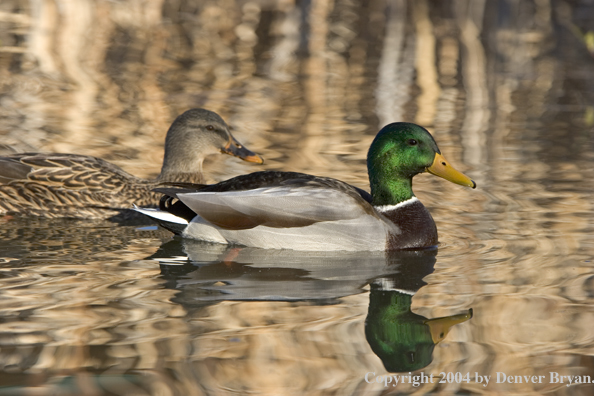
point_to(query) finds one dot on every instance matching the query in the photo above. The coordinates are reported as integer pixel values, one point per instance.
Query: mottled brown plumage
(79, 186)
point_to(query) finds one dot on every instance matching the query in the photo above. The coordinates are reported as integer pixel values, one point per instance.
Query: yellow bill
(442, 168)
(440, 327)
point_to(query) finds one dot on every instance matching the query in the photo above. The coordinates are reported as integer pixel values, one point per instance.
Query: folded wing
(278, 206)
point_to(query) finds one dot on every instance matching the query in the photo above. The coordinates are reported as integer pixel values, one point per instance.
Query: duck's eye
(412, 142)
(210, 127)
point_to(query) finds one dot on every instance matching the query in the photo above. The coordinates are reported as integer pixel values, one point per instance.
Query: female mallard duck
(286, 210)
(70, 185)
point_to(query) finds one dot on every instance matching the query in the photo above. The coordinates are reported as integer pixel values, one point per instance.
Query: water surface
(506, 88)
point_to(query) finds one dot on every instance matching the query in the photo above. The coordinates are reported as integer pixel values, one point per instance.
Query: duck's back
(69, 185)
(284, 210)
(288, 210)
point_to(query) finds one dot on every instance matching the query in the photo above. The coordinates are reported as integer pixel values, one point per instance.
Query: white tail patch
(160, 215)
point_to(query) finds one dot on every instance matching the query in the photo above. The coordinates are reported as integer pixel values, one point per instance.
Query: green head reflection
(403, 340)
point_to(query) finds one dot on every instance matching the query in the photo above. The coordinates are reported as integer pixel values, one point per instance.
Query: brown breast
(417, 227)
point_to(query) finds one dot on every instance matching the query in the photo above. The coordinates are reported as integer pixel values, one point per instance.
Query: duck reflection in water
(403, 340)
(214, 272)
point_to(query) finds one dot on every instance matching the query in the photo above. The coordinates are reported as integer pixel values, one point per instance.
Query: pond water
(506, 88)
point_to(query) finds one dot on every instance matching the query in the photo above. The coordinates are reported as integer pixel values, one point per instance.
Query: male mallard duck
(287, 210)
(71, 185)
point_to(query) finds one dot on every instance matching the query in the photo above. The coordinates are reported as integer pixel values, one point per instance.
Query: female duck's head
(194, 135)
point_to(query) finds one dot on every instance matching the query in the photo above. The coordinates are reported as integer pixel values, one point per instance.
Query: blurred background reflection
(506, 88)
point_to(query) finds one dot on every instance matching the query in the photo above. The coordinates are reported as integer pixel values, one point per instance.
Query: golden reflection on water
(506, 89)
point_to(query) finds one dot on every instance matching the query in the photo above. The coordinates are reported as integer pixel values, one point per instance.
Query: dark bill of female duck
(236, 149)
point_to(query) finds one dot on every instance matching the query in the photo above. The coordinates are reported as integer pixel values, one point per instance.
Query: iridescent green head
(400, 151)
